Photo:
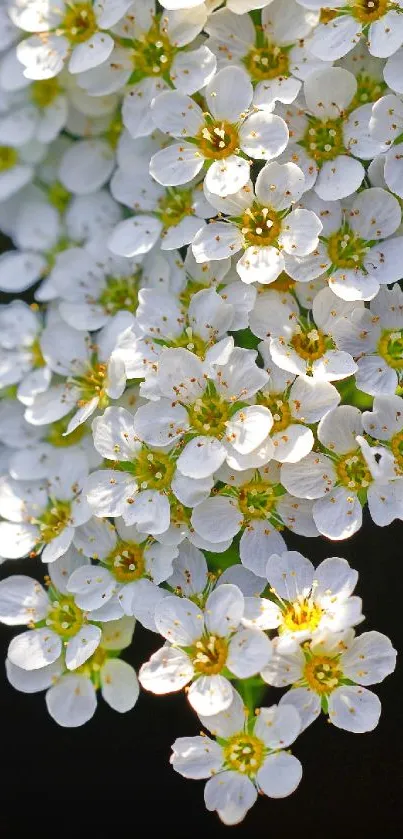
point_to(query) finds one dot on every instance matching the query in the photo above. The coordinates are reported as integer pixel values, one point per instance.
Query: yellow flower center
(257, 499)
(174, 206)
(92, 666)
(267, 62)
(346, 250)
(218, 139)
(368, 11)
(322, 673)
(279, 408)
(44, 92)
(209, 415)
(301, 615)
(244, 753)
(283, 283)
(58, 196)
(36, 354)
(120, 293)
(209, 655)
(54, 519)
(93, 384)
(260, 225)
(368, 90)
(8, 158)
(154, 470)
(310, 345)
(127, 562)
(79, 22)
(323, 140)
(153, 52)
(191, 288)
(353, 472)
(57, 429)
(192, 342)
(396, 444)
(65, 618)
(390, 347)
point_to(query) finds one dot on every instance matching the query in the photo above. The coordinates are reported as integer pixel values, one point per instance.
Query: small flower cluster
(204, 200)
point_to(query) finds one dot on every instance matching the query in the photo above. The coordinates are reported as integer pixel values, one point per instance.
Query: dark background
(352, 784)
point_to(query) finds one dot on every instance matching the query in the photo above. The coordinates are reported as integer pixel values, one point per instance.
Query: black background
(351, 786)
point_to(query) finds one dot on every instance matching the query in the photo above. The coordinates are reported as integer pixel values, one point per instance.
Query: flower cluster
(204, 206)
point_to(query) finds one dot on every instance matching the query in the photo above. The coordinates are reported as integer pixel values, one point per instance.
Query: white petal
(229, 94)
(305, 702)
(189, 570)
(227, 176)
(339, 514)
(278, 726)
(35, 648)
(201, 457)
(290, 575)
(227, 722)
(135, 236)
(86, 166)
(33, 681)
(192, 70)
(119, 685)
(17, 540)
(179, 620)
(279, 185)
(196, 757)
(260, 265)
(82, 646)
(354, 708)
(218, 240)
(263, 135)
(210, 695)
(167, 670)
(224, 610)
(72, 702)
(22, 600)
(338, 429)
(369, 659)
(280, 775)
(177, 164)
(259, 540)
(91, 53)
(300, 232)
(249, 652)
(217, 519)
(312, 477)
(339, 178)
(177, 114)
(231, 794)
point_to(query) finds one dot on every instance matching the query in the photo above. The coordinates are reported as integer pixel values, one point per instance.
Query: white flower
(44, 515)
(56, 624)
(374, 337)
(257, 505)
(342, 478)
(222, 135)
(329, 137)
(201, 644)
(303, 345)
(263, 224)
(142, 484)
(131, 567)
(211, 407)
(153, 53)
(64, 32)
(380, 23)
(247, 758)
(94, 372)
(357, 252)
(295, 403)
(71, 696)
(385, 424)
(306, 600)
(275, 56)
(330, 673)
(21, 360)
(170, 217)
